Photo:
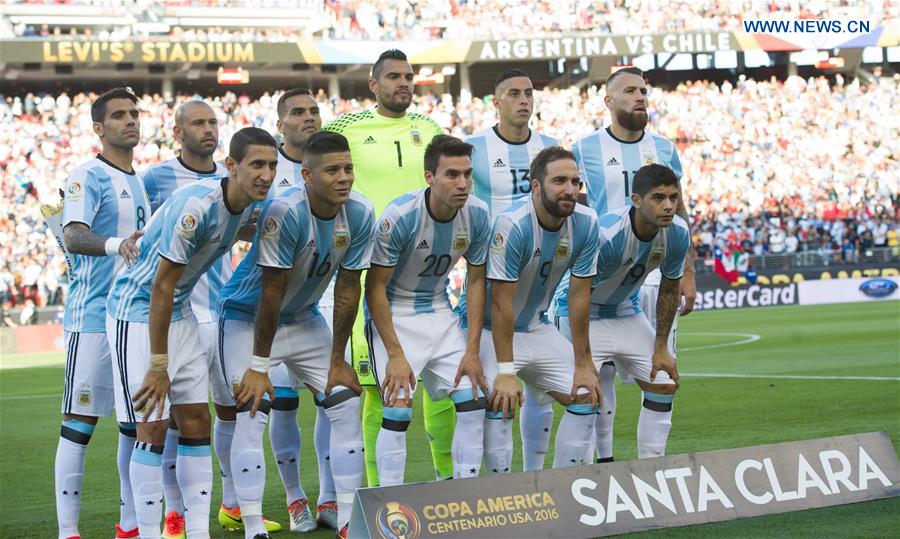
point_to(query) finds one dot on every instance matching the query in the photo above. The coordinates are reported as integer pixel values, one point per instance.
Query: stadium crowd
(774, 166)
(453, 19)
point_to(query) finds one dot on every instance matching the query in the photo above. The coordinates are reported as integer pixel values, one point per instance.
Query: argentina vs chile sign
(629, 496)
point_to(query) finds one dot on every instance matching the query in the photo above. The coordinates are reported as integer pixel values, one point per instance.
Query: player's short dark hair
(282, 101)
(445, 145)
(246, 137)
(545, 157)
(98, 107)
(390, 54)
(625, 70)
(651, 176)
(509, 74)
(323, 143)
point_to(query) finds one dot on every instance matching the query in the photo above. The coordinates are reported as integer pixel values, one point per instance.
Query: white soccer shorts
(209, 338)
(88, 388)
(647, 300)
(627, 341)
(304, 347)
(433, 343)
(188, 365)
(282, 377)
(542, 358)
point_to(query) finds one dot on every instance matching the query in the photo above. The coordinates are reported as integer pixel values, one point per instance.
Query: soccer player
(502, 158)
(607, 161)
(388, 147)
(635, 240)
(269, 316)
(197, 130)
(532, 245)
(298, 119)
(105, 209)
(411, 327)
(149, 319)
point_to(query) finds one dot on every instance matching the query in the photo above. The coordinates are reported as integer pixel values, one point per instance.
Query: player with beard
(533, 244)
(388, 148)
(608, 159)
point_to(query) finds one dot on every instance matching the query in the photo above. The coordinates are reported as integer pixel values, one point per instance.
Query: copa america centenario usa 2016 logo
(397, 521)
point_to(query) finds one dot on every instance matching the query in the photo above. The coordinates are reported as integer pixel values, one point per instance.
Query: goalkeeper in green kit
(387, 145)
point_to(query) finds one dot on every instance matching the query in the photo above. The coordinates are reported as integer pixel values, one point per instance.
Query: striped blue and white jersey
(624, 261)
(112, 203)
(423, 250)
(292, 237)
(606, 166)
(501, 168)
(523, 251)
(161, 181)
(287, 175)
(194, 227)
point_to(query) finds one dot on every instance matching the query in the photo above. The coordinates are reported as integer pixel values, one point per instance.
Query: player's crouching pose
(411, 327)
(532, 245)
(159, 357)
(268, 314)
(634, 241)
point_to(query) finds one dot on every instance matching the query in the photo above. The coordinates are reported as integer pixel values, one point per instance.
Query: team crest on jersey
(460, 242)
(416, 138)
(341, 238)
(656, 255)
(84, 397)
(187, 226)
(270, 229)
(649, 160)
(499, 242)
(563, 249)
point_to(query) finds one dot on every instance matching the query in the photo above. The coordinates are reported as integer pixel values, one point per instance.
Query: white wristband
(506, 367)
(259, 364)
(112, 246)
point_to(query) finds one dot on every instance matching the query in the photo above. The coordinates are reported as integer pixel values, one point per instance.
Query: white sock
(171, 492)
(248, 467)
(535, 424)
(607, 415)
(223, 433)
(575, 437)
(146, 483)
(342, 409)
(654, 424)
(284, 437)
(498, 444)
(195, 477)
(127, 437)
(467, 448)
(69, 473)
(390, 447)
(322, 439)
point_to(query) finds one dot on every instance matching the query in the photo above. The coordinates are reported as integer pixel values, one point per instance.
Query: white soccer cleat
(301, 517)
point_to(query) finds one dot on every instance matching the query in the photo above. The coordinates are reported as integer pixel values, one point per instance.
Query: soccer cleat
(262, 536)
(123, 534)
(301, 518)
(344, 531)
(174, 526)
(326, 515)
(230, 519)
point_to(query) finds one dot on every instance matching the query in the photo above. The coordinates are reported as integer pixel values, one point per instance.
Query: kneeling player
(532, 245)
(411, 329)
(149, 319)
(269, 316)
(634, 241)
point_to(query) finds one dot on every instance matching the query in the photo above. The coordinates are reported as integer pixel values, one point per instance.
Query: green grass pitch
(824, 346)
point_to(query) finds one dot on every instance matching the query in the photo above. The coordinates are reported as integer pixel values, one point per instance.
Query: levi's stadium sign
(629, 496)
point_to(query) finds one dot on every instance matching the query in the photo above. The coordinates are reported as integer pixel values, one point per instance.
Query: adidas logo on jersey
(629, 262)
(499, 163)
(311, 243)
(537, 253)
(124, 194)
(422, 245)
(284, 183)
(369, 140)
(612, 161)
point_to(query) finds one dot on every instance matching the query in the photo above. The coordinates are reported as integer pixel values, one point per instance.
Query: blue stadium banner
(637, 495)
